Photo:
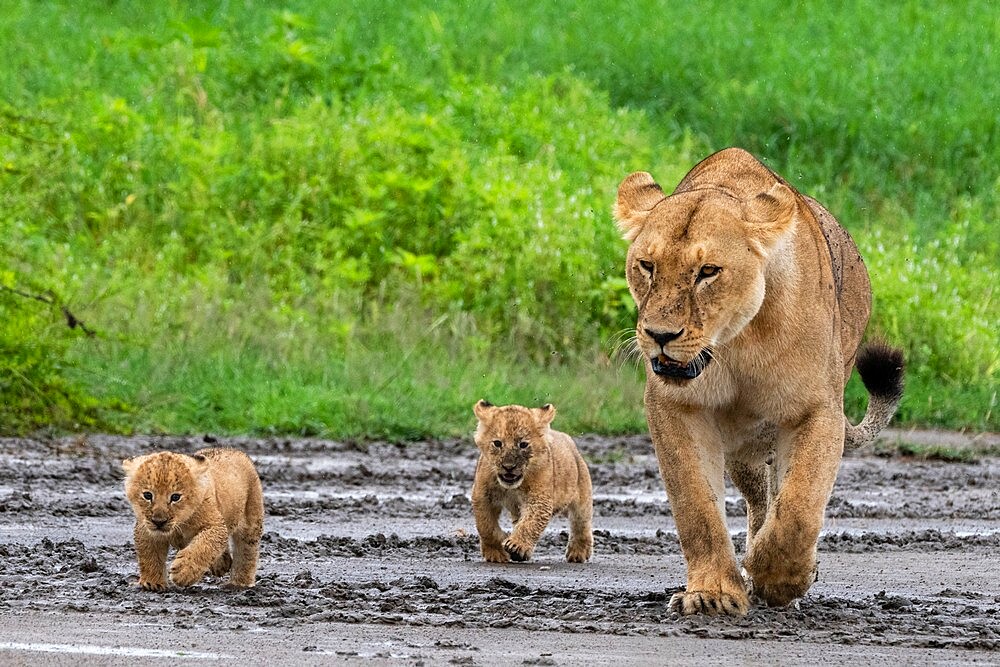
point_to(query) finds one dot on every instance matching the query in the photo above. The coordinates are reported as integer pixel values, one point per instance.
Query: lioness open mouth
(666, 367)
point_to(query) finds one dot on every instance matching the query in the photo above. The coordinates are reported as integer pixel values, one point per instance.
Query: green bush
(355, 219)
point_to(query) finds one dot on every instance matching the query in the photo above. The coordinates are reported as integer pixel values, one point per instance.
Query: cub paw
(517, 552)
(222, 564)
(579, 553)
(184, 573)
(495, 555)
(155, 586)
(710, 603)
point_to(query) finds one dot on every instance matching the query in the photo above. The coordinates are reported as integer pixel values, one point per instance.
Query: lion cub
(199, 504)
(533, 472)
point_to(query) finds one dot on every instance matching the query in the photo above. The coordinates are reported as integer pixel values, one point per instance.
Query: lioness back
(531, 471)
(199, 504)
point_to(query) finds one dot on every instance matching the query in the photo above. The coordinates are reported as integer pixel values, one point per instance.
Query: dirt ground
(370, 555)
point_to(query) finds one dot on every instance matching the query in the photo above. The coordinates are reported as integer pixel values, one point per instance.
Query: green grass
(355, 219)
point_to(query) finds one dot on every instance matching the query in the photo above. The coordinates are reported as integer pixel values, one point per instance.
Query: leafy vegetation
(356, 219)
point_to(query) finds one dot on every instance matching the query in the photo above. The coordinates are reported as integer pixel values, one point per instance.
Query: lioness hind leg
(752, 482)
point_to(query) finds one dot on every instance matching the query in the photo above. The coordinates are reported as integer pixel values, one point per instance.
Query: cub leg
(691, 463)
(222, 564)
(246, 541)
(491, 537)
(581, 534)
(191, 562)
(534, 518)
(781, 561)
(581, 515)
(152, 556)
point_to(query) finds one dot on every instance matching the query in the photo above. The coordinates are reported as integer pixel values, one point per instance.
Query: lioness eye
(147, 495)
(708, 271)
(522, 444)
(497, 443)
(646, 265)
(174, 497)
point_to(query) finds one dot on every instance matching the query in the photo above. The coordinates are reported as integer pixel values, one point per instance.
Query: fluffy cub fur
(199, 504)
(533, 472)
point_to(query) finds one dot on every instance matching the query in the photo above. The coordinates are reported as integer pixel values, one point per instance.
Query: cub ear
(637, 195)
(545, 414)
(481, 409)
(771, 215)
(132, 464)
(199, 467)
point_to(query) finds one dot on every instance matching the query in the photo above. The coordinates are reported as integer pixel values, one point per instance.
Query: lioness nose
(663, 337)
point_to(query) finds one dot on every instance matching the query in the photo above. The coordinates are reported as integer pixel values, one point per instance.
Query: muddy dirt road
(370, 556)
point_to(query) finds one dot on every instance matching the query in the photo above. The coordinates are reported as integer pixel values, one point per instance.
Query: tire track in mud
(64, 545)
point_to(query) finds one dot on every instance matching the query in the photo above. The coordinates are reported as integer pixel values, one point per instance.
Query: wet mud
(379, 534)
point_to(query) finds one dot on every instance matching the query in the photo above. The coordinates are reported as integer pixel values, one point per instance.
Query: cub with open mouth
(533, 472)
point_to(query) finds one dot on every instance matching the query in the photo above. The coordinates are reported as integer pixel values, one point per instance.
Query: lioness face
(510, 437)
(695, 270)
(163, 489)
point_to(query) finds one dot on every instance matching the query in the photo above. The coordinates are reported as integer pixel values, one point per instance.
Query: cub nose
(663, 337)
(159, 523)
(509, 468)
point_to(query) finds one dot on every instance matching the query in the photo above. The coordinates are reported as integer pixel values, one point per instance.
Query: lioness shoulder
(199, 504)
(533, 472)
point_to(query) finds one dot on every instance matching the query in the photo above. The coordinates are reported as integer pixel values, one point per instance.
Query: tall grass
(355, 219)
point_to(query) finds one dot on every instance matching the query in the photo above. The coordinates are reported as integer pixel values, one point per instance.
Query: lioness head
(510, 437)
(696, 265)
(165, 488)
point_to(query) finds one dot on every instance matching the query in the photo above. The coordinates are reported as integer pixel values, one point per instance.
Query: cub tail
(881, 369)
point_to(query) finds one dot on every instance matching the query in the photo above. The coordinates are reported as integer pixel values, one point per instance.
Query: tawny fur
(209, 506)
(737, 265)
(546, 475)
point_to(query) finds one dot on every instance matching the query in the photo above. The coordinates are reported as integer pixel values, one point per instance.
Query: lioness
(195, 503)
(752, 301)
(533, 472)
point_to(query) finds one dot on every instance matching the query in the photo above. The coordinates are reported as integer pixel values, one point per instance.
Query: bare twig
(49, 298)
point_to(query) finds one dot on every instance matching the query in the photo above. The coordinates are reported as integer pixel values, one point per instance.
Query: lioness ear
(771, 215)
(545, 414)
(637, 195)
(481, 409)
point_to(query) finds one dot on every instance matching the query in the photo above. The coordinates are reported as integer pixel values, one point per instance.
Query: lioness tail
(881, 369)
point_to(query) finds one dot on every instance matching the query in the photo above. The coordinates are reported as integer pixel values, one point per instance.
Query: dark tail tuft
(881, 369)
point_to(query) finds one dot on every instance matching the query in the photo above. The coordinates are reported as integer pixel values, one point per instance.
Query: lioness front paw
(183, 572)
(517, 551)
(712, 603)
(495, 555)
(157, 586)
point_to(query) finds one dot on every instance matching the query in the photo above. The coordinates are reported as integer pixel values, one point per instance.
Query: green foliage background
(355, 219)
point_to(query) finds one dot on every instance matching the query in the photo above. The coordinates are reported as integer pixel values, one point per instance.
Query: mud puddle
(380, 537)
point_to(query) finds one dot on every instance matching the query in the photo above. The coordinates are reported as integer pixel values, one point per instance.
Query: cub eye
(646, 265)
(174, 497)
(497, 443)
(522, 444)
(708, 271)
(147, 495)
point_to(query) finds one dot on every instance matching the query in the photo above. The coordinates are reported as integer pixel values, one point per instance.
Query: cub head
(510, 438)
(165, 488)
(696, 266)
